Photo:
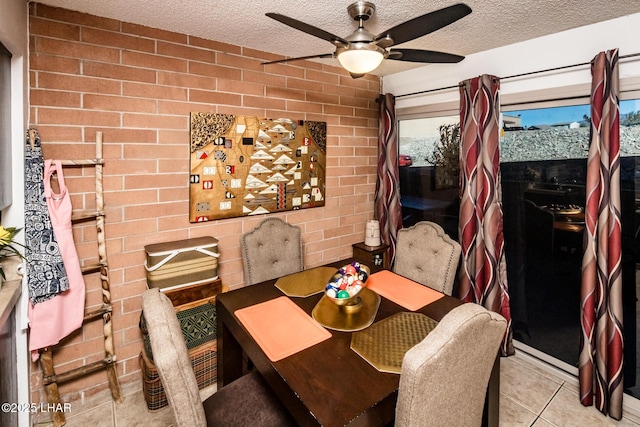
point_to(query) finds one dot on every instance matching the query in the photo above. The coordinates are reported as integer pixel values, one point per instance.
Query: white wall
(14, 36)
(557, 50)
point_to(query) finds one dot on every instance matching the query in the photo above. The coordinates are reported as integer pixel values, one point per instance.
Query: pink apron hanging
(52, 320)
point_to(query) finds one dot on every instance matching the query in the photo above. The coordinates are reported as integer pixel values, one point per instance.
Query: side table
(374, 257)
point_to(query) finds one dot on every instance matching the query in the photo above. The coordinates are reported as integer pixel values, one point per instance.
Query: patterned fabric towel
(46, 274)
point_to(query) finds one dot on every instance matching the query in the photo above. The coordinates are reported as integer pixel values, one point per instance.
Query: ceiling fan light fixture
(361, 58)
(362, 52)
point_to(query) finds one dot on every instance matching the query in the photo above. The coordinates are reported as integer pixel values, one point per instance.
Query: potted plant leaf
(8, 247)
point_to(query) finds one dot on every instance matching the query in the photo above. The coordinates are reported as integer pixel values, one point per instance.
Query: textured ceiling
(493, 23)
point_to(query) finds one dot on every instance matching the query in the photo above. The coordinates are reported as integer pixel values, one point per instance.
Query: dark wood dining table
(567, 219)
(327, 384)
(571, 222)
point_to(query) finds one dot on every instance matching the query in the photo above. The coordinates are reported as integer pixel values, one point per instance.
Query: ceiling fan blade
(428, 56)
(299, 58)
(425, 24)
(309, 29)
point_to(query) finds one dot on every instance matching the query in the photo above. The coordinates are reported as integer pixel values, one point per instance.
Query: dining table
(567, 218)
(327, 383)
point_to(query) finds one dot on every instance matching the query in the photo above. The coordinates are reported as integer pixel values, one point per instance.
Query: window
(544, 159)
(428, 192)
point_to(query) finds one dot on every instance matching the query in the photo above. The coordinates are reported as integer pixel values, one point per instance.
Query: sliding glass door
(543, 167)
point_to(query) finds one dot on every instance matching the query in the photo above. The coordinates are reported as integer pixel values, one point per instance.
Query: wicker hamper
(198, 322)
(197, 317)
(204, 362)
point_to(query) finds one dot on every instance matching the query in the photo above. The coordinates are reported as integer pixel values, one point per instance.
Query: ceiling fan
(362, 52)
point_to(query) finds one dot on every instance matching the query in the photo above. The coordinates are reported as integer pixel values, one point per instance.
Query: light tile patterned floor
(533, 396)
(530, 397)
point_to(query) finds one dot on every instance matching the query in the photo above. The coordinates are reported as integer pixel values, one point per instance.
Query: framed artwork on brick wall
(244, 165)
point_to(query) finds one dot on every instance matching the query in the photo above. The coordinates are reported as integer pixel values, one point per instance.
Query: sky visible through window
(551, 116)
(574, 113)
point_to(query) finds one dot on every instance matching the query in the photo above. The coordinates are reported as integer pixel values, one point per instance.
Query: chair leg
(491, 413)
(247, 364)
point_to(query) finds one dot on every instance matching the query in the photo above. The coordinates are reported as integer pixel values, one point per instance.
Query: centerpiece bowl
(346, 284)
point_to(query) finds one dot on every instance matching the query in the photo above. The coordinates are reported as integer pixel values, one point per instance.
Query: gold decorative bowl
(345, 285)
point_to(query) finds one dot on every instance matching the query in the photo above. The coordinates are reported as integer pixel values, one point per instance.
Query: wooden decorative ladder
(51, 379)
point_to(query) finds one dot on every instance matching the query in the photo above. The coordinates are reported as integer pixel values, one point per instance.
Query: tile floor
(530, 396)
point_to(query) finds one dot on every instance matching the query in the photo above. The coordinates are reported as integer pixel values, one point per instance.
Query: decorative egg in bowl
(345, 286)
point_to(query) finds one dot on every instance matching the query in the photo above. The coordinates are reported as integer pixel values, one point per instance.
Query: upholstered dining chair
(444, 378)
(246, 401)
(427, 255)
(272, 249)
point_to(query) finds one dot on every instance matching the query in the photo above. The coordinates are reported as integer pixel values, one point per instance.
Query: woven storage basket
(197, 318)
(198, 323)
(176, 264)
(204, 362)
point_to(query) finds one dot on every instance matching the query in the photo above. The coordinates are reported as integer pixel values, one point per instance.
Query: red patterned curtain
(483, 276)
(601, 353)
(387, 199)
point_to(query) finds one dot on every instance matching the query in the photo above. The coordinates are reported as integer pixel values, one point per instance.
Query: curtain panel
(388, 210)
(601, 352)
(483, 275)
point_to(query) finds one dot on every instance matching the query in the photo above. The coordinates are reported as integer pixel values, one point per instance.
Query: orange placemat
(281, 328)
(402, 291)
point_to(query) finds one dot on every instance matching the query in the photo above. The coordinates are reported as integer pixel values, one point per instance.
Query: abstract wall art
(244, 165)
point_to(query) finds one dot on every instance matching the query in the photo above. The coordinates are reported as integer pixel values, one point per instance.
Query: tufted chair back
(273, 249)
(427, 255)
(444, 378)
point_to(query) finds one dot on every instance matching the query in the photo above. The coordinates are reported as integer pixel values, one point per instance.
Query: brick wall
(138, 85)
